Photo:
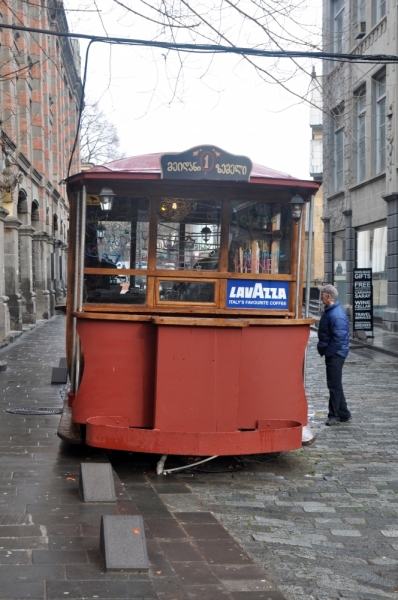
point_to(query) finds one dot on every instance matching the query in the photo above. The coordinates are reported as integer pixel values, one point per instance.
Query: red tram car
(184, 327)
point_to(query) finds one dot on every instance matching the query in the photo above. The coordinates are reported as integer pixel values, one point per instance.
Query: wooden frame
(159, 302)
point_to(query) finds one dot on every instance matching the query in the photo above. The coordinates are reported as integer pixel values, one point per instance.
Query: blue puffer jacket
(334, 331)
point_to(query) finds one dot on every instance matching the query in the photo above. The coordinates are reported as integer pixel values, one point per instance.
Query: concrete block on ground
(62, 362)
(96, 482)
(3, 366)
(59, 375)
(122, 543)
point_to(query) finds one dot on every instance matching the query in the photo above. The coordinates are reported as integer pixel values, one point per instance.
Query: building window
(339, 265)
(372, 253)
(338, 148)
(338, 25)
(379, 10)
(360, 134)
(380, 84)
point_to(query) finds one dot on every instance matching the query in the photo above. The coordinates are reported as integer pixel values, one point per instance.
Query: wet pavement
(316, 524)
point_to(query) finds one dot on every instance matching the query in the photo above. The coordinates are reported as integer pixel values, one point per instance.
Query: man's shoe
(332, 421)
(345, 420)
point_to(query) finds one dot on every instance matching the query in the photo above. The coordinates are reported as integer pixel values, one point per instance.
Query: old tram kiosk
(184, 328)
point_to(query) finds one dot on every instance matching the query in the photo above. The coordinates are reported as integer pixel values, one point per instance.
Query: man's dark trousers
(337, 403)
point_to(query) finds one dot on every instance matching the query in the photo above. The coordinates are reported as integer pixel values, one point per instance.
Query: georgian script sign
(243, 293)
(363, 300)
(206, 162)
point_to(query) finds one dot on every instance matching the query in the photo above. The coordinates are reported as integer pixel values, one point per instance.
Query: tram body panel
(119, 375)
(271, 369)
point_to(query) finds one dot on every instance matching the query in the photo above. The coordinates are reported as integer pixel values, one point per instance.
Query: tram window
(186, 291)
(118, 238)
(259, 238)
(115, 289)
(188, 234)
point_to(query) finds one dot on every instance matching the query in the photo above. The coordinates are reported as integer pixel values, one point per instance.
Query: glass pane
(186, 291)
(118, 238)
(115, 289)
(259, 238)
(188, 234)
(339, 267)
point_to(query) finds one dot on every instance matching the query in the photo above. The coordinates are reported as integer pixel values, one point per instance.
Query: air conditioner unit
(361, 29)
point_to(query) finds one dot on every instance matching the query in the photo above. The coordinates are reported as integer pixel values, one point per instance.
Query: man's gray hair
(329, 289)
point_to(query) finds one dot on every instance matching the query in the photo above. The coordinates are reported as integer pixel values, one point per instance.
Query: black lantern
(206, 233)
(296, 204)
(100, 232)
(106, 197)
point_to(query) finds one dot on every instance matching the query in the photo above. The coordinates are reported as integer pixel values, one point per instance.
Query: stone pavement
(316, 524)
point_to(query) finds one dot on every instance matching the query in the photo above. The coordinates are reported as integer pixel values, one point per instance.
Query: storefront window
(339, 266)
(188, 234)
(259, 238)
(117, 239)
(372, 253)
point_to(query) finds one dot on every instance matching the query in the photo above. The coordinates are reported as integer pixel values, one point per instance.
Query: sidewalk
(383, 341)
(49, 538)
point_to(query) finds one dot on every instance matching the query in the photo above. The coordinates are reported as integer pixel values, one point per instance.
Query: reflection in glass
(372, 252)
(259, 238)
(188, 234)
(119, 238)
(114, 289)
(186, 291)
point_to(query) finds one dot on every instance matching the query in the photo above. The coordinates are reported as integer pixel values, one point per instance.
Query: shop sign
(206, 162)
(242, 293)
(363, 300)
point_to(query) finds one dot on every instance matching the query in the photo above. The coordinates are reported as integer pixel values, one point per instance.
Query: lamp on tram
(296, 204)
(106, 197)
(100, 232)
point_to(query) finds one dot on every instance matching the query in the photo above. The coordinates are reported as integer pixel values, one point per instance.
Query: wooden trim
(111, 317)
(200, 309)
(192, 321)
(199, 322)
(180, 273)
(302, 224)
(293, 262)
(223, 259)
(175, 304)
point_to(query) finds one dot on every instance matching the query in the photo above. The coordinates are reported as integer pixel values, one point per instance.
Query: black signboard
(206, 162)
(363, 300)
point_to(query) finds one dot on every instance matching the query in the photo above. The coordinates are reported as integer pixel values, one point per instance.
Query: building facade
(360, 186)
(40, 91)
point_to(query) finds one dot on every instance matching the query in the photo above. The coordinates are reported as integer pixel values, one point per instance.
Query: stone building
(40, 91)
(360, 185)
(316, 168)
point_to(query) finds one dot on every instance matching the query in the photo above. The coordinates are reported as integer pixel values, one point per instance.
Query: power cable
(215, 48)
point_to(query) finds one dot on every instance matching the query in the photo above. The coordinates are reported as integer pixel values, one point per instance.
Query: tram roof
(147, 166)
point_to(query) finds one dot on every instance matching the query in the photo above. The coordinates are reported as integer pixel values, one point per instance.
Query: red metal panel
(271, 375)
(197, 379)
(118, 377)
(112, 432)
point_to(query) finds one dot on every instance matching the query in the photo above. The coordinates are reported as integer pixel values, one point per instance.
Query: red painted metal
(113, 433)
(147, 167)
(119, 375)
(216, 388)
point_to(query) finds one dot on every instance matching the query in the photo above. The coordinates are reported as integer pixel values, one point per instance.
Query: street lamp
(296, 205)
(106, 197)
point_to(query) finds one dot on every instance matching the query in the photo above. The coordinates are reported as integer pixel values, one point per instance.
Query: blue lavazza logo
(257, 294)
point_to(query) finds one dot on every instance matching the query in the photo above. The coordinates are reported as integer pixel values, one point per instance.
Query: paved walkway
(315, 524)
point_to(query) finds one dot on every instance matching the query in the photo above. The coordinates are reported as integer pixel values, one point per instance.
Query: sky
(219, 100)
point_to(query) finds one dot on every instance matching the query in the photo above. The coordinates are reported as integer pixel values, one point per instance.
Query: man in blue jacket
(334, 338)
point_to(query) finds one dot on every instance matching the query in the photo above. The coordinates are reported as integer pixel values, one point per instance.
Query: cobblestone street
(322, 521)
(319, 523)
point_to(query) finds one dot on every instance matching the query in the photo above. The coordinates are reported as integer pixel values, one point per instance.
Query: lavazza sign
(257, 294)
